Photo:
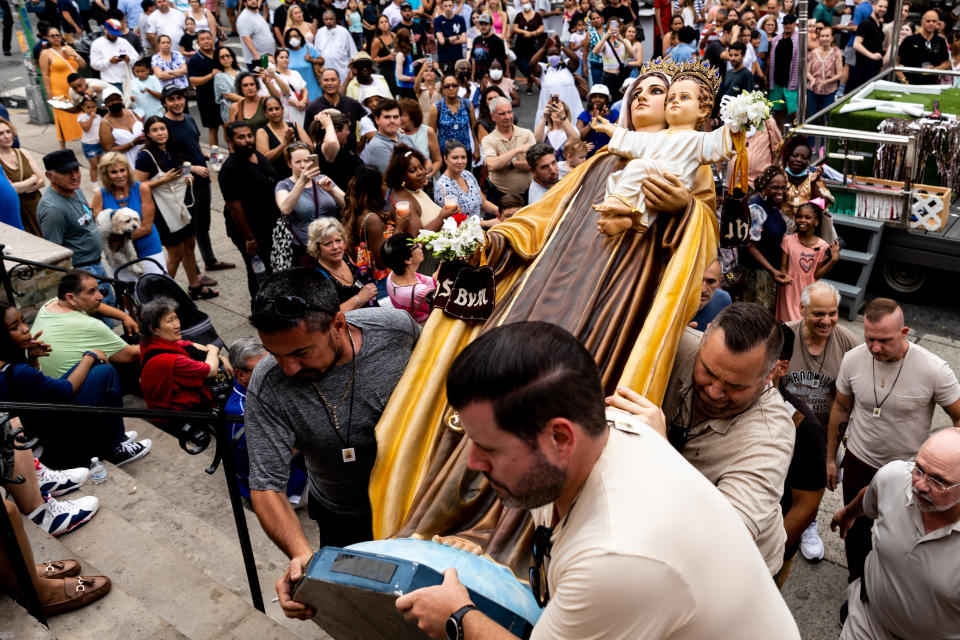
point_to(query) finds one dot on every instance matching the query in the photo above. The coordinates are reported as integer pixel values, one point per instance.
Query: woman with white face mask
(504, 82)
(557, 84)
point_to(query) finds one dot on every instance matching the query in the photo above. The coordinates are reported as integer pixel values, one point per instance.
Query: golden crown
(659, 65)
(701, 70)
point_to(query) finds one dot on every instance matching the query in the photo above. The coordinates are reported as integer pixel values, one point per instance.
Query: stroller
(195, 325)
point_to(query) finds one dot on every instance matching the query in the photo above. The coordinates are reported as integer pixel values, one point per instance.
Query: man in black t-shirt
(487, 47)
(925, 49)
(418, 35)
(247, 182)
(807, 476)
(184, 130)
(716, 50)
(868, 47)
(200, 72)
(331, 98)
(615, 9)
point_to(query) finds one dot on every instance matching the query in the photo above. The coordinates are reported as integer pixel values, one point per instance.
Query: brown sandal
(58, 569)
(77, 592)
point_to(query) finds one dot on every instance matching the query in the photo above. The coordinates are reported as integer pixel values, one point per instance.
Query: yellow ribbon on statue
(741, 176)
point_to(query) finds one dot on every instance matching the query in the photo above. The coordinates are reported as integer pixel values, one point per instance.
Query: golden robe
(551, 264)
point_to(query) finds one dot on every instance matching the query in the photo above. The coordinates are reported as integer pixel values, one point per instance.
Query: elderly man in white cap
(598, 104)
(335, 44)
(112, 55)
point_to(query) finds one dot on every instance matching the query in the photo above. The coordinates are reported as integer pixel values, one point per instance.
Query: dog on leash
(116, 227)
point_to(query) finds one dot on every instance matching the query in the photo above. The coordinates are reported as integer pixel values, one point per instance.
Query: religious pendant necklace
(878, 404)
(804, 350)
(349, 453)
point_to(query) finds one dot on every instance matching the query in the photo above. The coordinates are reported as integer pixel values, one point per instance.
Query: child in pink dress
(805, 259)
(408, 290)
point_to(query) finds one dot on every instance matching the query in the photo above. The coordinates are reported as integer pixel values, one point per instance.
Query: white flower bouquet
(458, 239)
(745, 110)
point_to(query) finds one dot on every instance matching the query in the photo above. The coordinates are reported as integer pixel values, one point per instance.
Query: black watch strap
(454, 625)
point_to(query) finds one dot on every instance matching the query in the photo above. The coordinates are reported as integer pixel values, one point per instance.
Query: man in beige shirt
(887, 390)
(612, 557)
(730, 423)
(911, 582)
(504, 152)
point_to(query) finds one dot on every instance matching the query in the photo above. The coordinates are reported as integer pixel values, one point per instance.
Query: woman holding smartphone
(306, 195)
(274, 137)
(615, 51)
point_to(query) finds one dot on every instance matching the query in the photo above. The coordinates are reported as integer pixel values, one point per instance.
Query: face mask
(294, 42)
(116, 108)
(496, 74)
(799, 174)
(526, 6)
(553, 61)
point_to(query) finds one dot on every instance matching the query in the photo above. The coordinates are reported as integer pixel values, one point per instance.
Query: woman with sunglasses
(306, 195)
(225, 61)
(452, 118)
(57, 62)
(274, 137)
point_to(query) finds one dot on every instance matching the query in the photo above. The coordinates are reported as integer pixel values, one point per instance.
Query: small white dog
(115, 229)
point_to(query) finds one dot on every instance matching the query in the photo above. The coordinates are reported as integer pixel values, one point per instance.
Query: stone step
(117, 614)
(188, 572)
(20, 625)
(193, 513)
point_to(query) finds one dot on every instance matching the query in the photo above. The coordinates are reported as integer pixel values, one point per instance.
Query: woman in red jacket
(174, 372)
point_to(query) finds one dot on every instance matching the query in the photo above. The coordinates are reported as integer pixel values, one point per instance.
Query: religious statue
(679, 150)
(626, 298)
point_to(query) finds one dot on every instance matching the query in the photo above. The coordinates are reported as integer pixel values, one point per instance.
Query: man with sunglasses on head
(731, 423)
(321, 391)
(910, 587)
(613, 557)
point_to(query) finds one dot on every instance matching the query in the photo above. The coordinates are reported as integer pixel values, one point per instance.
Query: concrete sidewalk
(814, 592)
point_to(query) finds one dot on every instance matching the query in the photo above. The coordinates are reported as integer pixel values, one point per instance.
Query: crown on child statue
(658, 65)
(701, 70)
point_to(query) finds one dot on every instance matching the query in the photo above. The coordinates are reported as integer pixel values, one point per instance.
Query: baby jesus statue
(680, 149)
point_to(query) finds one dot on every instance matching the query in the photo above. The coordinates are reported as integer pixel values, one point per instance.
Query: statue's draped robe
(553, 265)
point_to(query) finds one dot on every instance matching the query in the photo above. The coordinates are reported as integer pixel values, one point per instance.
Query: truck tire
(903, 277)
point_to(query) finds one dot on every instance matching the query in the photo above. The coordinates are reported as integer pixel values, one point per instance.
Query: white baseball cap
(600, 89)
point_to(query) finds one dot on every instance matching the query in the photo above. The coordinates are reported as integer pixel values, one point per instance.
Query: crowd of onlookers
(348, 127)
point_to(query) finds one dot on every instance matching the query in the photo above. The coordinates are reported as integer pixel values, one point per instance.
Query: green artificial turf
(870, 119)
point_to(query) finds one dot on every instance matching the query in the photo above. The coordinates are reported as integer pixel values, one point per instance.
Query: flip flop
(220, 265)
(202, 293)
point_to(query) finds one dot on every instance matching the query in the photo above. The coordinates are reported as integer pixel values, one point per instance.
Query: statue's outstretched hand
(601, 124)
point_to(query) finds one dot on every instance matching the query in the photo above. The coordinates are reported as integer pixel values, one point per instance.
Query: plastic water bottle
(259, 269)
(216, 159)
(98, 473)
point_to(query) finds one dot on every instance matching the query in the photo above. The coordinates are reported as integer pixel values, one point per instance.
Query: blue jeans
(817, 102)
(596, 73)
(71, 440)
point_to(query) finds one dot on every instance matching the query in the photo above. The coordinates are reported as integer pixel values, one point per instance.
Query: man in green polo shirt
(70, 329)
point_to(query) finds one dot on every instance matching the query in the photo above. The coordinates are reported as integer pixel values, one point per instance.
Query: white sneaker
(58, 518)
(58, 483)
(130, 436)
(811, 546)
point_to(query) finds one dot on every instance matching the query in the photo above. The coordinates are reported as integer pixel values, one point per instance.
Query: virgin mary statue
(627, 298)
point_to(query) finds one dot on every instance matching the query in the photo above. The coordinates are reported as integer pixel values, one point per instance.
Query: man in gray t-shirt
(321, 391)
(380, 147)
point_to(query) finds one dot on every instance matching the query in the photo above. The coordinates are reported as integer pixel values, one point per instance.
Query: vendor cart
(902, 223)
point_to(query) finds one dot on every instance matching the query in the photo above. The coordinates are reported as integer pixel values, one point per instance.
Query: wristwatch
(454, 625)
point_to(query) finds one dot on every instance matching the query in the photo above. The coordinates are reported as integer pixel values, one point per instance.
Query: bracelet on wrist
(95, 357)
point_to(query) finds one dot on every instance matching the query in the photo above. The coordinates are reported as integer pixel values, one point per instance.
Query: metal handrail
(194, 440)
